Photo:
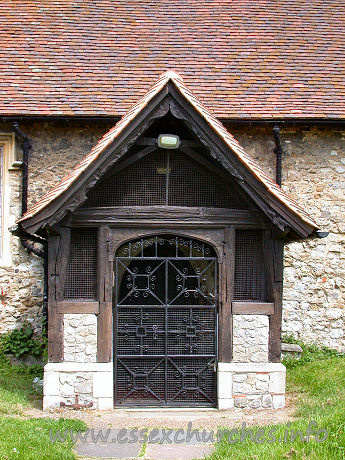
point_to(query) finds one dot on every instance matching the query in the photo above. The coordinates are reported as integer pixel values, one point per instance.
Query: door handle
(212, 366)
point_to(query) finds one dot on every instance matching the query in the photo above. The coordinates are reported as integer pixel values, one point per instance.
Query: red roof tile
(215, 124)
(245, 58)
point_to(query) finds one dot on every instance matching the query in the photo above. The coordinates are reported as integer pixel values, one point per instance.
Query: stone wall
(80, 338)
(250, 338)
(251, 385)
(21, 274)
(92, 382)
(56, 148)
(313, 173)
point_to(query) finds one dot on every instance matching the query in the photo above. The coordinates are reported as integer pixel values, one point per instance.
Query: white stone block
(267, 401)
(263, 377)
(105, 404)
(336, 333)
(261, 386)
(254, 402)
(79, 367)
(225, 403)
(278, 401)
(224, 385)
(103, 384)
(84, 387)
(67, 390)
(242, 388)
(51, 384)
(239, 378)
(277, 382)
(244, 368)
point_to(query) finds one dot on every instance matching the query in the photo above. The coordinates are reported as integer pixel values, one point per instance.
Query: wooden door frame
(220, 235)
(110, 239)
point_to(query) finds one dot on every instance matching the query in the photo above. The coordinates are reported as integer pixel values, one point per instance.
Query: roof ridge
(171, 74)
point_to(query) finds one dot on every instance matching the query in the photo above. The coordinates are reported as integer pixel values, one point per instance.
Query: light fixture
(168, 141)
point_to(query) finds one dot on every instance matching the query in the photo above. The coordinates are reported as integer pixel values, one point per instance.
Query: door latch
(212, 366)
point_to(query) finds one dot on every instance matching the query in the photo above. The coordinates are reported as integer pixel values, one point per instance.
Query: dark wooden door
(165, 322)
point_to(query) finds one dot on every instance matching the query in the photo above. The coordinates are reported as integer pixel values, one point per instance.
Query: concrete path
(152, 444)
(164, 445)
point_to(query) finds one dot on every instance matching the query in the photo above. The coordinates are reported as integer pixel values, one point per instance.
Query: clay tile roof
(215, 124)
(257, 59)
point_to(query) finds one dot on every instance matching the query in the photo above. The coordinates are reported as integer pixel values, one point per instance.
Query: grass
(28, 439)
(16, 391)
(318, 381)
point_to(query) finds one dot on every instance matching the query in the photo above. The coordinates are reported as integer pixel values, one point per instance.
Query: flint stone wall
(313, 173)
(91, 382)
(314, 275)
(56, 148)
(80, 338)
(21, 275)
(251, 385)
(250, 338)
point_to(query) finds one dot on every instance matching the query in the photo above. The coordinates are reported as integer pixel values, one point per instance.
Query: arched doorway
(165, 322)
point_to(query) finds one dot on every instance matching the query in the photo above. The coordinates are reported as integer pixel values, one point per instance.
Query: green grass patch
(310, 353)
(16, 389)
(30, 439)
(318, 380)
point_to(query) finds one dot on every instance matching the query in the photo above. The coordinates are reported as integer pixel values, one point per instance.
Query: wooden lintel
(77, 307)
(176, 215)
(252, 308)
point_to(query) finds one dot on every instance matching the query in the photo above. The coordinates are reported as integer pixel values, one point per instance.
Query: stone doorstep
(291, 347)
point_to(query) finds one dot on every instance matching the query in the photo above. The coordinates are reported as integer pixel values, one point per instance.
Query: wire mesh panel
(163, 178)
(81, 279)
(250, 279)
(165, 322)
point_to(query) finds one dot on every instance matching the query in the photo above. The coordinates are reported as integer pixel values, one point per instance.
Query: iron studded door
(165, 322)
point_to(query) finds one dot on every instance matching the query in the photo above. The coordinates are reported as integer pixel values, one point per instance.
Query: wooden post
(274, 260)
(226, 282)
(105, 293)
(55, 319)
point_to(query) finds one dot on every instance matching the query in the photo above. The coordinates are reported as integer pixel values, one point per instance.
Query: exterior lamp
(168, 141)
